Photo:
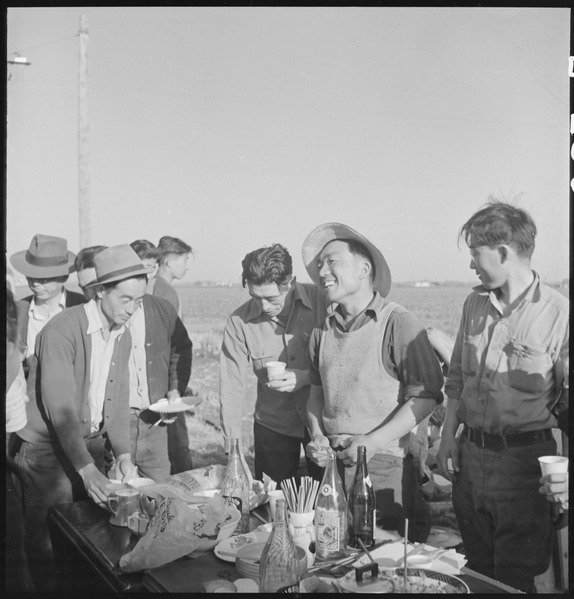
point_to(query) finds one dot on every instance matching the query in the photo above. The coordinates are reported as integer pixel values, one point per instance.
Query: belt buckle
(479, 434)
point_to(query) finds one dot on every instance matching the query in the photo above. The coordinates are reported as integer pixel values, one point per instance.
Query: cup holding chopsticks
(302, 528)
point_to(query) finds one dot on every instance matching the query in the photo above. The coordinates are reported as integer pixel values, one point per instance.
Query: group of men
(94, 364)
(361, 371)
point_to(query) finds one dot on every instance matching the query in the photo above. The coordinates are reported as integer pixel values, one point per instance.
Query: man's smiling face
(340, 270)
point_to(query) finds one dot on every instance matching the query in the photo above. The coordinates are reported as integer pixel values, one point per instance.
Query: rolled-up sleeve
(413, 358)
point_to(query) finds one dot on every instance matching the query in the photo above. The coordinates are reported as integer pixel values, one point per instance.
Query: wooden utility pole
(83, 147)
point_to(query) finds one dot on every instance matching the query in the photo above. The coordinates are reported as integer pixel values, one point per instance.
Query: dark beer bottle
(361, 502)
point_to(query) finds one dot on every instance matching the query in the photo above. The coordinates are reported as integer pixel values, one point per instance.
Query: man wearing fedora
(82, 398)
(46, 265)
(374, 374)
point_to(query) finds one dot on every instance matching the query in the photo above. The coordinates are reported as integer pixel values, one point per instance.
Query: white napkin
(391, 555)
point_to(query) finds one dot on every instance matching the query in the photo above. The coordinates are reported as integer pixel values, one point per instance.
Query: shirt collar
(533, 294)
(299, 294)
(61, 302)
(373, 309)
(95, 322)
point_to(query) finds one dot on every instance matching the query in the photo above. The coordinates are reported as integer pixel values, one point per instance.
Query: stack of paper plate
(248, 559)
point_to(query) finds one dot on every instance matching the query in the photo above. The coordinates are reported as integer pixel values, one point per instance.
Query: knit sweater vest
(359, 393)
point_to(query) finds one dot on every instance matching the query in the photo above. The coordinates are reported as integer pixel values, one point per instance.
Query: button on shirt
(506, 370)
(37, 321)
(139, 395)
(102, 350)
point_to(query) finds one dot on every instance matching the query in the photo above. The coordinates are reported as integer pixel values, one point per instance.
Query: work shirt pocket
(260, 357)
(528, 366)
(469, 356)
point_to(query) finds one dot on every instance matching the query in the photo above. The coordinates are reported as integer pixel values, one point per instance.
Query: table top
(87, 528)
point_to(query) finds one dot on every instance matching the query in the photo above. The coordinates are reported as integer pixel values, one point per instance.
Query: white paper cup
(551, 464)
(273, 497)
(275, 368)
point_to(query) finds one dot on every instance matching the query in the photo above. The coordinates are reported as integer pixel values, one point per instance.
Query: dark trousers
(504, 521)
(178, 444)
(397, 492)
(48, 478)
(278, 455)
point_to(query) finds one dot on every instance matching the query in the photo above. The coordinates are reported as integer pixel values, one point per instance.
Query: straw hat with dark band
(117, 263)
(47, 257)
(323, 234)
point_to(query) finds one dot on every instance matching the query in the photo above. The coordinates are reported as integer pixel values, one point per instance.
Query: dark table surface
(88, 548)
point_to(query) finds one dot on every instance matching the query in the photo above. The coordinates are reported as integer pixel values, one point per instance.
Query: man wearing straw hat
(82, 400)
(374, 374)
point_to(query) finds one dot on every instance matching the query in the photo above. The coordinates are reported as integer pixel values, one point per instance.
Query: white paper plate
(181, 404)
(232, 545)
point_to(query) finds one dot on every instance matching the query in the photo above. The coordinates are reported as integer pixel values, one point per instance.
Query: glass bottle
(330, 514)
(235, 487)
(279, 565)
(362, 507)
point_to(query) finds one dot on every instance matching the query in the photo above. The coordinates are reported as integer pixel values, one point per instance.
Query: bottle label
(329, 537)
(368, 481)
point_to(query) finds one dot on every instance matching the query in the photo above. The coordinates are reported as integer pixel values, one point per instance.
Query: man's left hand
(349, 455)
(126, 468)
(289, 381)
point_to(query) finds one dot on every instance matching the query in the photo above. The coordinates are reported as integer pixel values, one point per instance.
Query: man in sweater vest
(82, 397)
(374, 374)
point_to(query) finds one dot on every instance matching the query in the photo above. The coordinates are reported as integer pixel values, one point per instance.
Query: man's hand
(125, 468)
(555, 487)
(349, 455)
(316, 450)
(95, 484)
(172, 396)
(448, 449)
(289, 381)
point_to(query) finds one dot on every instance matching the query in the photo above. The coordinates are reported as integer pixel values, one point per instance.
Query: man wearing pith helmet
(374, 374)
(82, 399)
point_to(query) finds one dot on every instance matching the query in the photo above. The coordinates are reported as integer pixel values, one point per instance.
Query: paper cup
(275, 368)
(551, 464)
(273, 497)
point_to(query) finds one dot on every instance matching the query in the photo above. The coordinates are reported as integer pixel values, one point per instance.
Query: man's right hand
(95, 484)
(448, 449)
(316, 450)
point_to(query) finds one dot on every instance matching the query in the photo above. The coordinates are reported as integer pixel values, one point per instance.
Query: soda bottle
(362, 507)
(330, 514)
(235, 486)
(279, 565)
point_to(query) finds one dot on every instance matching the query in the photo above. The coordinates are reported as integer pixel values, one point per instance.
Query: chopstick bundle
(303, 499)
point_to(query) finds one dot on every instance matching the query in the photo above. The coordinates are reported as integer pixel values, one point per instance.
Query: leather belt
(497, 442)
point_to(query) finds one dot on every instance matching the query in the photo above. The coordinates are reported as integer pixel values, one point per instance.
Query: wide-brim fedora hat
(117, 263)
(47, 257)
(320, 236)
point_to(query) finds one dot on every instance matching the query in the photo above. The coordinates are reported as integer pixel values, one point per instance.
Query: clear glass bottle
(362, 506)
(279, 565)
(331, 514)
(235, 487)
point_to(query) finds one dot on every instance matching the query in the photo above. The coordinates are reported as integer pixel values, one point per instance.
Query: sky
(236, 127)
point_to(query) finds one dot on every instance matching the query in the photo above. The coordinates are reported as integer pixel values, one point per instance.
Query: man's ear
(503, 251)
(366, 269)
(99, 291)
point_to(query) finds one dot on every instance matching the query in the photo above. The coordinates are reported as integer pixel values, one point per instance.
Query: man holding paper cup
(270, 333)
(508, 386)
